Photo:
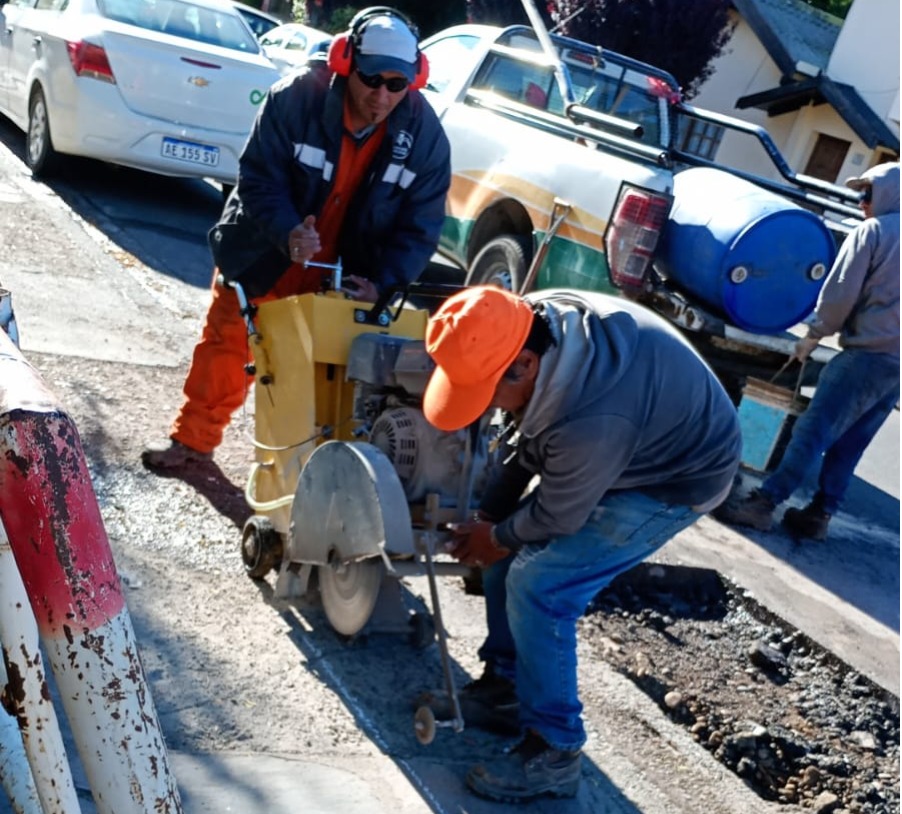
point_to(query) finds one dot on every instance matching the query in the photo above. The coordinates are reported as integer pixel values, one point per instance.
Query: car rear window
(181, 19)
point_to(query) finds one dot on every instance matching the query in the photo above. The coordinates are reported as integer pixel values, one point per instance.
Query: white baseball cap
(386, 44)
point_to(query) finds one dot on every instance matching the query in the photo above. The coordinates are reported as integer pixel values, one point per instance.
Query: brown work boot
(531, 769)
(488, 702)
(756, 510)
(171, 454)
(812, 522)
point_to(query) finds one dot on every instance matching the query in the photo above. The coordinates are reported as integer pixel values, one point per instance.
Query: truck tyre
(502, 262)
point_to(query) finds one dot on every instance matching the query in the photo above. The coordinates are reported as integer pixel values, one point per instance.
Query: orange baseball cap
(473, 339)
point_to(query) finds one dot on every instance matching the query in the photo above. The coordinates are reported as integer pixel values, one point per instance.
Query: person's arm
(507, 483)
(580, 461)
(844, 284)
(265, 166)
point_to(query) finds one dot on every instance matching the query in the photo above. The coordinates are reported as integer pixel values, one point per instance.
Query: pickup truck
(566, 173)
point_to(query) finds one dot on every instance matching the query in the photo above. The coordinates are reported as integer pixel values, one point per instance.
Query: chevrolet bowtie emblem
(198, 81)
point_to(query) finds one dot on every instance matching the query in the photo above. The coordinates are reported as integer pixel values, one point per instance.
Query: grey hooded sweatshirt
(621, 402)
(860, 297)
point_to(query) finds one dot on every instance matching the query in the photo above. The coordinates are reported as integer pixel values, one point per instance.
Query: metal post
(15, 773)
(7, 317)
(50, 513)
(27, 695)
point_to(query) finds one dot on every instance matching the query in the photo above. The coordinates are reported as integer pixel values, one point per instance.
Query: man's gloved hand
(804, 347)
(474, 545)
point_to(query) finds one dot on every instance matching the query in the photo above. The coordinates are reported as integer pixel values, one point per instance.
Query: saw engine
(390, 375)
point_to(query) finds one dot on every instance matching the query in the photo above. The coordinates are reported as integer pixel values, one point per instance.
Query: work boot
(531, 769)
(171, 454)
(488, 702)
(812, 521)
(756, 510)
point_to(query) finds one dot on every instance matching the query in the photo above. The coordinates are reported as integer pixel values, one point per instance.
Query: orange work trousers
(217, 382)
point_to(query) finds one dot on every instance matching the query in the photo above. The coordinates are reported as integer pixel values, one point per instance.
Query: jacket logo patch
(402, 146)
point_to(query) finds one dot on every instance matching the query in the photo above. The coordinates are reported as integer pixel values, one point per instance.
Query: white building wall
(746, 68)
(742, 69)
(866, 55)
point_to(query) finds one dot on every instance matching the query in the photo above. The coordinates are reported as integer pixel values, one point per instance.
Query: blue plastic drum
(751, 256)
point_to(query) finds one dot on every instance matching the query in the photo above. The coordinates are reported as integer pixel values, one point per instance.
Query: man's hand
(361, 289)
(804, 347)
(303, 240)
(473, 544)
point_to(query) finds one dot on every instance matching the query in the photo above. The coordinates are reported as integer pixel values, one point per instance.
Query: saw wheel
(350, 514)
(349, 591)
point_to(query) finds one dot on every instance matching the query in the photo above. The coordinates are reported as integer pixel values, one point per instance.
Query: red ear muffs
(421, 75)
(341, 55)
(341, 52)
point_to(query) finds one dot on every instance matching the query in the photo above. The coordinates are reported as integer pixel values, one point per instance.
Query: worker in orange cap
(622, 437)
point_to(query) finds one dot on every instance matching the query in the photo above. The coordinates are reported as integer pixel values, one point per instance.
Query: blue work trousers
(855, 393)
(534, 598)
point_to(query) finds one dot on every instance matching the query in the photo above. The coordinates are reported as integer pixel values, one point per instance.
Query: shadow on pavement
(209, 481)
(378, 676)
(160, 220)
(859, 560)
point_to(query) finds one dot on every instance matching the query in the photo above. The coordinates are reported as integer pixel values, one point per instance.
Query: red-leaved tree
(681, 36)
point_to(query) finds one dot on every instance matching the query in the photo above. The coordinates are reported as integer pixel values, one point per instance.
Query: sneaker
(489, 702)
(171, 454)
(531, 769)
(756, 510)
(812, 521)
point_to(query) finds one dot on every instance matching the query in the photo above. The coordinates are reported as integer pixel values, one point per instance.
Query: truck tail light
(90, 60)
(632, 235)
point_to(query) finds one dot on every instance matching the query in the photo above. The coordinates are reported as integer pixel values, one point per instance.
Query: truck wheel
(502, 262)
(39, 153)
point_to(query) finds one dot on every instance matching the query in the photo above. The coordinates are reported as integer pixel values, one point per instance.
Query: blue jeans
(534, 597)
(855, 393)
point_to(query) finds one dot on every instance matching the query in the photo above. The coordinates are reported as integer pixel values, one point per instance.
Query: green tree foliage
(838, 8)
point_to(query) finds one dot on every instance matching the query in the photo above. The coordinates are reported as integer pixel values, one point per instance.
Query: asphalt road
(112, 264)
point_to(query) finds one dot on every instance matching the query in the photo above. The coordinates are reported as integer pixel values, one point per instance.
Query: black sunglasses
(375, 81)
(866, 194)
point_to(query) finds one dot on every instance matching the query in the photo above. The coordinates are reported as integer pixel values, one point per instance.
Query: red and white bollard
(44, 782)
(50, 513)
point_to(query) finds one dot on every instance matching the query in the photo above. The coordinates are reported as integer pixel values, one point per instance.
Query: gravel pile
(795, 723)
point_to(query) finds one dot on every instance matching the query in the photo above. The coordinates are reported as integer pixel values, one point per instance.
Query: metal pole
(55, 529)
(560, 70)
(15, 773)
(27, 695)
(7, 317)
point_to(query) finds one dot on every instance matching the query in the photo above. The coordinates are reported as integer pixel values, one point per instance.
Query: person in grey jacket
(619, 436)
(346, 161)
(858, 387)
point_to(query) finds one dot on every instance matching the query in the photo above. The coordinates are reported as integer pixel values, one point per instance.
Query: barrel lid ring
(739, 274)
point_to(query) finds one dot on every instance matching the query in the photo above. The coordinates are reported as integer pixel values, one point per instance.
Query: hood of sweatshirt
(884, 180)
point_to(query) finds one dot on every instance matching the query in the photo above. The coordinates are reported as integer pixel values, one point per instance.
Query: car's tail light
(90, 60)
(633, 234)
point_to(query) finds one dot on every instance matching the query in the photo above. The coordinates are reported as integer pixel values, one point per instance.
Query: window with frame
(699, 137)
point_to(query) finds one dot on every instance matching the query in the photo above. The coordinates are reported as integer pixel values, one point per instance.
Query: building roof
(792, 32)
(847, 102)
(799, 39)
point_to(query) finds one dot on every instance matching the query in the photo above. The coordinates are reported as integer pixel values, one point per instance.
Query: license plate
(190, 151)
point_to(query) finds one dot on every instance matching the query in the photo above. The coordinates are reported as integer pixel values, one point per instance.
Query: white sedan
(291, 45)
(168, 86)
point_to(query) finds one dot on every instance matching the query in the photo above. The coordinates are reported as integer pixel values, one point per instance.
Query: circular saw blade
(349, 592)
